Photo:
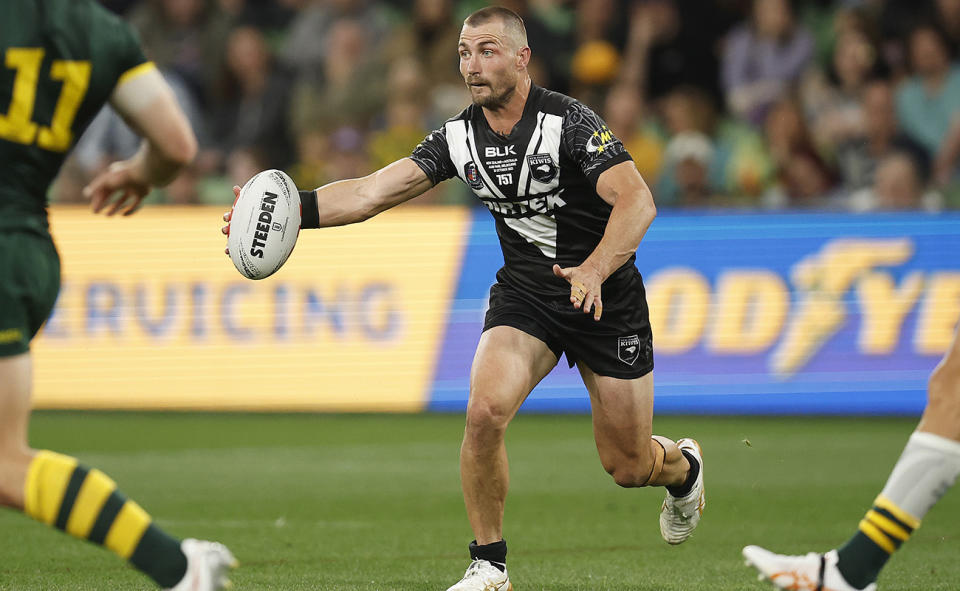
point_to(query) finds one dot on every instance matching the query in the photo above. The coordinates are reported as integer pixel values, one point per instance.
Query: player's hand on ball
(225, 230)
(118, 182)
(585, 282)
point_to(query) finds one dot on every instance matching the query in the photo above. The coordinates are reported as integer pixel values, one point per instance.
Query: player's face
(488, 64)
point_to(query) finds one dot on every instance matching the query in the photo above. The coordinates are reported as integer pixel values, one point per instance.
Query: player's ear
(523, 57)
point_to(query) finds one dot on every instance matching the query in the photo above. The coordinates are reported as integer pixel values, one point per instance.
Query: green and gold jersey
(59, 63)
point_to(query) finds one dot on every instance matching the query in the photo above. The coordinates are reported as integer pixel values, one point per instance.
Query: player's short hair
(512, 23)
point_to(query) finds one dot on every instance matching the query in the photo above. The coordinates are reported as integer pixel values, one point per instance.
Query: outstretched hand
(118, 180)
(585, 282)
(225, 230)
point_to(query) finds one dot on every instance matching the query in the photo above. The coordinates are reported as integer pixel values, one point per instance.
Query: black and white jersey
(539, 182)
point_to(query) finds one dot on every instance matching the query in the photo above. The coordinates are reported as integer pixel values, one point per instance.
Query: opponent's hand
(585, 282)
(119, 180)
(225, 230)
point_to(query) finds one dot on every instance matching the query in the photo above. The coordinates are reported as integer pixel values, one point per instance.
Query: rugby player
(62, 60)
(927, 468)
(570, 210)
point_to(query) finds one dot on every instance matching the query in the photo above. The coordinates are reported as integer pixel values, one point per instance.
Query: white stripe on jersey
(547, 135)
(539, 229)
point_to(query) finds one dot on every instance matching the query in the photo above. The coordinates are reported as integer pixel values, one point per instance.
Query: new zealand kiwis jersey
(63, 59)
(539, 183)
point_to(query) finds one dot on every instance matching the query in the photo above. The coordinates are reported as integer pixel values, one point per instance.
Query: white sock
(925, 471)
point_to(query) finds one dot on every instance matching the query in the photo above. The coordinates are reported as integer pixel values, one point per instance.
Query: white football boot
(207, 566)
(483, 576)
(679, 516)
(813, 572)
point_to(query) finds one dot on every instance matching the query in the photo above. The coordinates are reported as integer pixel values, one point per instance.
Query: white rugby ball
(264, 224)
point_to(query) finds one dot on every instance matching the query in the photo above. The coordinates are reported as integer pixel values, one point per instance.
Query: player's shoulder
(552, 102)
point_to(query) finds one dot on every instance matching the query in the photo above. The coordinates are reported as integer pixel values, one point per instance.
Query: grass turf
(328, 502)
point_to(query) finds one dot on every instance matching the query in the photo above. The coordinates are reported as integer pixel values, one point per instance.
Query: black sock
(495, 553)
(684, 489)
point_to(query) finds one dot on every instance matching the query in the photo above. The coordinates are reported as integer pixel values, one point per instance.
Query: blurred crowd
(841, 105)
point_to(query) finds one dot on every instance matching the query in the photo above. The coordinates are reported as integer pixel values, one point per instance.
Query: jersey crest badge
(628, 349)
(542, 168)
(472, 175)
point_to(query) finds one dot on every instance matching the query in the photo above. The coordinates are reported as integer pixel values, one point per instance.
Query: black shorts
(30, 267)
(619, 345)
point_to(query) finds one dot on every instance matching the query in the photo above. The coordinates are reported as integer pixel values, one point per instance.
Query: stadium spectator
(624, 114)
(857, 156)
(305, 46)
(689, 156)
(405, 123)
(929, 100)
(675, 48)
(803, 179)
(600, 36)
(739, 167)
(832, 100)
(947, 15)
(427, 38)
(349, 89)
(254, 112)
(187, 37)
(764, 58)
(897, 186)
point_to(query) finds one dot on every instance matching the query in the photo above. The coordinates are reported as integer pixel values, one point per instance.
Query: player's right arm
(356, 200)
(148, 105)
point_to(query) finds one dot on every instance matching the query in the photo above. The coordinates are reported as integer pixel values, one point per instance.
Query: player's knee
(629, 471)
(486, 417)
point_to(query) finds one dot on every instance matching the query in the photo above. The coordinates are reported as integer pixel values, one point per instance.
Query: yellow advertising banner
(152, 314)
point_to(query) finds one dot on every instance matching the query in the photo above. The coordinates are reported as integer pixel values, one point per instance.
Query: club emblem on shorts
(542, 167)
(472, 175)
(628, 349)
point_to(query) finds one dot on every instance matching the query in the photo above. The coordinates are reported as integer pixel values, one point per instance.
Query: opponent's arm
(633, 211)
(355, 200)
(148, 105)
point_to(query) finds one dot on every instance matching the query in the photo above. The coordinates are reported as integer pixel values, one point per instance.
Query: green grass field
(328, 502)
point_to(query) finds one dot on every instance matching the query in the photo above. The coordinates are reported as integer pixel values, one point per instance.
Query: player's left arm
(633, 211)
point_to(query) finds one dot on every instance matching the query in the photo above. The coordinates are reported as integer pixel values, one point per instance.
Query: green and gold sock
(85, 503)
(880, 534)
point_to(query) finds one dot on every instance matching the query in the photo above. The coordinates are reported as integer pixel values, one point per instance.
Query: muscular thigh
(622, 413)
(508, 364)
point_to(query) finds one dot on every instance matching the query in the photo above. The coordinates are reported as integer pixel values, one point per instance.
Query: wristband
(309, 212)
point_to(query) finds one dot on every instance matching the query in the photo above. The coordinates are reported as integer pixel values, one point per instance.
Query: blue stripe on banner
(761, 313)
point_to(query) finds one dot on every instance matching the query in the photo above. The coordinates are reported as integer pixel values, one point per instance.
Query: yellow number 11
(17, 125)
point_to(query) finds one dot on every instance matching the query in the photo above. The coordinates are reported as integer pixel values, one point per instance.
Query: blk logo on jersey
(628, 349)
(497, 152)
(472, 175)
(542, 167)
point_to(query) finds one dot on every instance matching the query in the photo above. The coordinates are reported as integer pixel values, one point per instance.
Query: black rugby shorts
(619, 345)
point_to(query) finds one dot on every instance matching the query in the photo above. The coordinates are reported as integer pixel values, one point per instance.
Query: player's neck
(503, 119)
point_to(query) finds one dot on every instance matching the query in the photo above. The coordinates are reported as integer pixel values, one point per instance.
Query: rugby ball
(264, 224)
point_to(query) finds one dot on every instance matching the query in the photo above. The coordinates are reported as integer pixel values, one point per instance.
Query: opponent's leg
(622, 425)
(56, 490)
(927, 468)
(506, 367)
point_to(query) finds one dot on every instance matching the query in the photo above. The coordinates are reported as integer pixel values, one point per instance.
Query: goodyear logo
(788, 320)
